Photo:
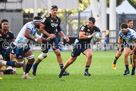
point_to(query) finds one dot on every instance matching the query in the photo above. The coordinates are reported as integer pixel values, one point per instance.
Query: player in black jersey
(51, 22)
(6, 37)
(82, 44)
(119, 53)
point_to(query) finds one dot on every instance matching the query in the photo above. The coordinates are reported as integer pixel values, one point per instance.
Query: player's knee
(42, 56)
(19, 64)
(89, 55)
(30, 59)
(125, 55)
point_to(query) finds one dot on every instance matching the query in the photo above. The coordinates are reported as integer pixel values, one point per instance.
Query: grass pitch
(103, 77)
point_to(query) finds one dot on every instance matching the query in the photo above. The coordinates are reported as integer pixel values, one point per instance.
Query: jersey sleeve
(29, 27)
(45, 20)
(120, 34)
(97, 29)
(12, 36)
(134, 36)
(82, 29)
(59, 28)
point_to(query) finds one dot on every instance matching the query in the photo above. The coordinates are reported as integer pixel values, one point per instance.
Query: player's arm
(120, 40)
(63, 35)
(134, 49)
(100, 35)
(82, 35)
(27, 35)
(42, 30)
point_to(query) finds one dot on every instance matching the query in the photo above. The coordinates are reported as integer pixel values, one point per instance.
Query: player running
(21, 49)
(130, 25)
(50, 23)
(82, 44)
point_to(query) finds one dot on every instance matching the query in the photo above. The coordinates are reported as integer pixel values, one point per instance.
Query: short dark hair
(124, 26)
(54, 6)
(37, 18)
(129, 20)
(92, 19)
(4, 20)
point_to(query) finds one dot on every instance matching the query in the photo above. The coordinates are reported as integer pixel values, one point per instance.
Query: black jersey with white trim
(88, 31)
(51, 24)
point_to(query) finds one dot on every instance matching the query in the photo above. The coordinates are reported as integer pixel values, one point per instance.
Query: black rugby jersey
(88, 31)
(51, 24)
(5, 39)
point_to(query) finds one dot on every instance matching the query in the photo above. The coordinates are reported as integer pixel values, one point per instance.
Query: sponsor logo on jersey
(54, 24)
(82, 28)
(88, 30)
(7, 35)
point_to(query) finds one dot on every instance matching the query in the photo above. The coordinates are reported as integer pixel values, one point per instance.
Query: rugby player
(129, 36)
(21, 49)
(130, 25)
(6, 37)
(51, 22)
(82, 44)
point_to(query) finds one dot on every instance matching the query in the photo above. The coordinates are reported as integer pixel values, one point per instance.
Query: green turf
(103, 78)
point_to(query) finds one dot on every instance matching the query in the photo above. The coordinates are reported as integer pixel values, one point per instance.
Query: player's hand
(48, 38)
(93, 34)
(99, 39)
(66, 38)
(52, 36)
(39, 40)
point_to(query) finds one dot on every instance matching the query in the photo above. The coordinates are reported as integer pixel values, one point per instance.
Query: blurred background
(109, 14)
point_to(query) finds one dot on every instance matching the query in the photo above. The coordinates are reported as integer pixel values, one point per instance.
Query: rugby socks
(127, 67)
(86, 68)
(10, 63)
(61, 66)
(36, 65)
(28, 67)
(115, 60)
(133, 69)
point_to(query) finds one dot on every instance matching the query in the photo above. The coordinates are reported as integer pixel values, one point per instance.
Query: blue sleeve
(120, 34)
(29, 27)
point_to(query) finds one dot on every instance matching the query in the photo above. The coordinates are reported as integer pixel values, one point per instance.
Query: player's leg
(45, 46)
(130, 60)
(88, 53)
(60, 61)
(131, 52)
(133, 63)
(75, 52)
(12, 58)
(116, 58)
(39, 59)
(68, 62)
(30, 57)
(126, 61)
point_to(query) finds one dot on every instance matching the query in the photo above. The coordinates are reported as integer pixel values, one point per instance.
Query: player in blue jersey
(51, 22)
(6, 37)
(21, 49)
(82, 44)
(130, 25)
(129, 36)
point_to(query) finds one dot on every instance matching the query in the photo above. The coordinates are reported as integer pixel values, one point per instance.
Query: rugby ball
(96, 36)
